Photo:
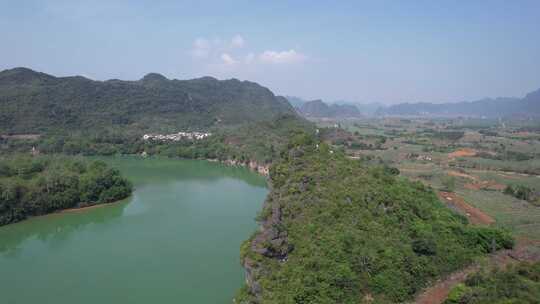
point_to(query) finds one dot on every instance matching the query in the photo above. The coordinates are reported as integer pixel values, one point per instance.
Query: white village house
(177, 136)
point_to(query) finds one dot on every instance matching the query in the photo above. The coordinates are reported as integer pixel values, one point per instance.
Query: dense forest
(32, 102)
(258, 141)
(337, 231)
(32, 186)
(75, 115)
(518, 284)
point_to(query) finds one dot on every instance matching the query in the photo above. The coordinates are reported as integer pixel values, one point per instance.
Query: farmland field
(474, 159)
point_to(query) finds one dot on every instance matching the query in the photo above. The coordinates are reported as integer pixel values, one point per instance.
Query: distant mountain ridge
(319, 109)
(528, 106)
(32, 101)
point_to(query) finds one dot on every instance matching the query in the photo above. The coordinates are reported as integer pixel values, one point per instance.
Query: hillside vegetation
(319, 109)
(37, 102)
(336, 231)
(517, 284)
(75, 115)
(38, 185)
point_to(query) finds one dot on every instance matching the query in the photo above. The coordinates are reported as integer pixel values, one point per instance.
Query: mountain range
(528, 106)
(319, 109)
(31, 101)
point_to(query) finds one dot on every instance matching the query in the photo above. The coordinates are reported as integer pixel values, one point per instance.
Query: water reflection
(181, 230)
(142, 172)
(56, 231)
(156, 169)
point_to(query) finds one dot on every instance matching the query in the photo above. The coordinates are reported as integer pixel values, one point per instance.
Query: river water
(176, 240)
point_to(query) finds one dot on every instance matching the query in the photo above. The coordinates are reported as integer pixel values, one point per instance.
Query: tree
(449, 183)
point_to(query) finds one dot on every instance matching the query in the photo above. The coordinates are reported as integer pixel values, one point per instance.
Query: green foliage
(38, 185)
(258, 141)
(32, 102)
(521, 192)
(448, 135)
(449, 183)
(517, 284)
(335, 230)
(75, 115)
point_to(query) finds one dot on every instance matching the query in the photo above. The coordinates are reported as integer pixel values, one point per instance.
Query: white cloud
(227, 59)
(231, 54)
(237, 42)
(201, 48)
(205, 48)
(290, 56)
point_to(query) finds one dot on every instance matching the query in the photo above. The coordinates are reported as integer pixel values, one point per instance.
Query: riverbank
(38, 185)
(87, 207)
(252, 165)
(193, 213)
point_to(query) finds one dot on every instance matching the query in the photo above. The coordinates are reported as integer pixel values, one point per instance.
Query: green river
(176, 240)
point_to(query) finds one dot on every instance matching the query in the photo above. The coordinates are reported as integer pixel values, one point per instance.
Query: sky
(359, 51)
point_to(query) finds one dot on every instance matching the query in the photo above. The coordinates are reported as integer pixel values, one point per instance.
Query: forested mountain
(367, 109)
(36, 102)
(296, 102)
(319, 109)
(529, 106)
(75, 115)
(334, 230)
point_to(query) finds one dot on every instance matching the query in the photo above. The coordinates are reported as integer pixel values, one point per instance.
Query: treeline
(337, 231)
(258, 141)
(516, 284)
(32, 186)
(523, 192)
(507, 155)
(445, 135)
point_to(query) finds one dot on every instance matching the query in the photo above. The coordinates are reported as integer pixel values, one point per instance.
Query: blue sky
(364, 51)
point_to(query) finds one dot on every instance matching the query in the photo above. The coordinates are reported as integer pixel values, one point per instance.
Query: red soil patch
(487, 185)
(522, 134)
(476, 183)
(475, 215)
(462, 153)
(523, 252)
(460, 174)
(439, 292)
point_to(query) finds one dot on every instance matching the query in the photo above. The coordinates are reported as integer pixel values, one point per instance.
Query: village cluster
(177, 136)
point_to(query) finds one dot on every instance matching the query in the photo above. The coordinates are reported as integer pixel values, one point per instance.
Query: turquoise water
(176, 240)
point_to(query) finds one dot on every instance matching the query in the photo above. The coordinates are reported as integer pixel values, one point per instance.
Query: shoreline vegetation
(254, 166)
(324, 230)
(38, 185)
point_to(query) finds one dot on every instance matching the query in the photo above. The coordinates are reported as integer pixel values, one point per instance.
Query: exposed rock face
(271, 241)
(262, 169)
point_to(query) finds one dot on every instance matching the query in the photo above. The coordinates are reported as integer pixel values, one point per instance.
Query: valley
(455, 194)
(269, 152)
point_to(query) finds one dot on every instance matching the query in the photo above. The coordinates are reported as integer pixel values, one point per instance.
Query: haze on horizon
(363, 51)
